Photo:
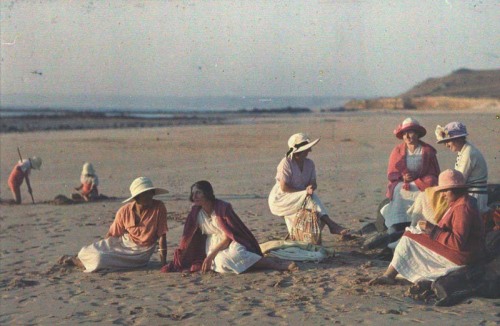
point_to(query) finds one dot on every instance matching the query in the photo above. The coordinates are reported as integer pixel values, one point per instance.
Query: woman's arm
(207, 263)
(286, 188)
(162, 243)
(455, 237)
(28, 183)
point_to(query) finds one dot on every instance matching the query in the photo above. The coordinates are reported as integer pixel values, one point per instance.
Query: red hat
(410, 124)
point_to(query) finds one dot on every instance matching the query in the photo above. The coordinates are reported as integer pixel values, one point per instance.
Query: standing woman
(21, 172)
(295, 180)
(470, 161)
(215, 238)
(413, 167)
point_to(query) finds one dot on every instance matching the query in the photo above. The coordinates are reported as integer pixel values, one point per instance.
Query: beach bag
(307, 224)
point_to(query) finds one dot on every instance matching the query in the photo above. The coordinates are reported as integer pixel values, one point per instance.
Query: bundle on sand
(63, 200)
(296, 250)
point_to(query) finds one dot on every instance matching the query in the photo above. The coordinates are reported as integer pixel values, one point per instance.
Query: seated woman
(131, 239)
(469, 161)
(88, 184)
(413, 167)
(214, 238)
(296, 180)
(430, 251)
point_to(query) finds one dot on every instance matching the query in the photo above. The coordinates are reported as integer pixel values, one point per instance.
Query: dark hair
(205, 187)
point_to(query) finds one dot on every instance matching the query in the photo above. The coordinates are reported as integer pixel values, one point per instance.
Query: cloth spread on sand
(145, 229)
(427, 176)
(19, 172)
(192, 248)
(473, 166)
(235, 258)
(115, 253)
(429, 205)
(296, 250)
(459, 235)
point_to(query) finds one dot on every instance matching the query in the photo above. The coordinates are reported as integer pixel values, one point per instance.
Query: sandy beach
(239, 158)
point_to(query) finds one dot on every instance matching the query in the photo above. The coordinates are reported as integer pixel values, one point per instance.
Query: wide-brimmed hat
(299, 143)
(451, 131)
(143, 184)
(88, 168)
(409, 124)
(36, 162)
(450, 179)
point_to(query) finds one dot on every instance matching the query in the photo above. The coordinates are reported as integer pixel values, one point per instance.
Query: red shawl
(427, 176)
(191, 251)
(459, 235)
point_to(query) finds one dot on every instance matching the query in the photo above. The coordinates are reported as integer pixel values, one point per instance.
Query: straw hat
(450, 179)
(143, 184)
(451, 131)
(299, 143)
(409, 124)
(36, 162)
(88, 168)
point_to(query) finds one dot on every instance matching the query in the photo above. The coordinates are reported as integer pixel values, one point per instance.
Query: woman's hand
(425, 226)
(310, 190)
(207, 264)
(408, 177)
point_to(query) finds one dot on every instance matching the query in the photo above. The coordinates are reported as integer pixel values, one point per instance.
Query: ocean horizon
(39, 105)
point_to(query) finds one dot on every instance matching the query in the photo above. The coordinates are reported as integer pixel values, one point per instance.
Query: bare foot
(292, 267)
(70, 261)
(382, 280)
(345, 234)
(66, 260)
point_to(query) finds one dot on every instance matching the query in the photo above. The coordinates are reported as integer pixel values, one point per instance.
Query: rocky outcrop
(463, 89)
(423, 103)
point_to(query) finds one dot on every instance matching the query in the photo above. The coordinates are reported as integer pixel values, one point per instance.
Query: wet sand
(240, 160)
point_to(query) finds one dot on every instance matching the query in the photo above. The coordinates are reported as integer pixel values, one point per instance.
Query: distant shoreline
(30, 120)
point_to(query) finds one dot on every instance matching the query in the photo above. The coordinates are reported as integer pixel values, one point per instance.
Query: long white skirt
(396, 210)
(234, 259)
(417, 263)
(287, 204)
(115, 254)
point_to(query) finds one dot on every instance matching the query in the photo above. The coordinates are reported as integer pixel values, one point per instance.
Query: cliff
(462, 89)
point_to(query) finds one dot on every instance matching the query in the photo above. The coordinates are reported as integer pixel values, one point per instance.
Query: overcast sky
(241, 48)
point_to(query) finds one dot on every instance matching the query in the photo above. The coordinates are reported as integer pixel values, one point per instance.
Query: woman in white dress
(215, 238)
(295, 180)
(470, 161)
(412, 168)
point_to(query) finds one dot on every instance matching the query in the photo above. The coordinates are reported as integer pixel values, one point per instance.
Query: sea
(156, 107)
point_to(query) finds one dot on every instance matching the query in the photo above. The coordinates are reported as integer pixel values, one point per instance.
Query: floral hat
(451, 131)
